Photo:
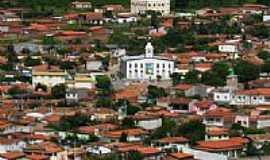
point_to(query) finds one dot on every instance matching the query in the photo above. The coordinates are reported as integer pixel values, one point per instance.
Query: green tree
(135, 155)
(128, 123)
(131, 109)
(59, 91)
(167, 129)
(123, 137)
(194, 130)
(265, 55)
(69, 123)
(104, 102)
(11, 55)
(155, 92)
(217, 75)
(29, 61)
(67, 65)
(103, 82)
(246, 71)
(266, 148)
(176, 78)
(49, 40)
(192, 77)
(266, 66)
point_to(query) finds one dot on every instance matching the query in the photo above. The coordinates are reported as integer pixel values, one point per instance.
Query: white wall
(141, 6)
(150, 124)
(224, 97)
(227, 48)
(141, 70)
(49, 81)
(266, 18)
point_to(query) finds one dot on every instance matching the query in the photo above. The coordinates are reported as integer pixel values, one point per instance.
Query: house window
(157, 65)
(141, 65)
(163, 65)
(136, 65)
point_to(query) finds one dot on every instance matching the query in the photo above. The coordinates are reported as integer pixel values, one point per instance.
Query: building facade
(147, 67)
(49, 79)
(141, 6)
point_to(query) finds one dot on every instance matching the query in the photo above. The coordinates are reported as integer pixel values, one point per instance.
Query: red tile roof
(93, 16)
(54, 118)
(12, 155)
(87, 129)
(39, 137)
(37, 157)
(72, 33)
(180, 155)
(217, 132)
(178, 140)
(219, 112)
(258, 91)
(183, 86)
(129, 132)
(204, 104)
(148, 150)
(222, 145)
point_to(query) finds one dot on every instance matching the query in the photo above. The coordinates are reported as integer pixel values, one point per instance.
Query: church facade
(147, 66)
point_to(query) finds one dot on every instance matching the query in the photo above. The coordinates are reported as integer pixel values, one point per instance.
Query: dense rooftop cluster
(134, 80)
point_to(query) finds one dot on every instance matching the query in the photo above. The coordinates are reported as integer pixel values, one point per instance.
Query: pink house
(201, 107)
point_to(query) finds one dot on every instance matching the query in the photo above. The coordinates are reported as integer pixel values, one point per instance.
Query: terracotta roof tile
(222, 145)
(37, 157)
(180, 155)
(178, 140)
(129, 132)
(12, 155)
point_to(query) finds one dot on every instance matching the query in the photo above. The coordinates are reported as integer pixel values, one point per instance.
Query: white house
(81, 5)
(4, 28)
(223, 95)
(266, 18)
(219, 117)
(228, 48)
(7, 144)
(258, 96)
(81, 81)
(141, 6)
(147, 67)
(147, 121)
(49, 79)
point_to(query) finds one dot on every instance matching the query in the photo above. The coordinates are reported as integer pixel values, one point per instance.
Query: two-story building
(142, 6)
(48, 75)
(147, 66)
(258, 96)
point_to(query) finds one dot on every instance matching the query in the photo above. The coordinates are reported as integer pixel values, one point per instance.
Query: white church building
(147, 66)
(141, 6)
